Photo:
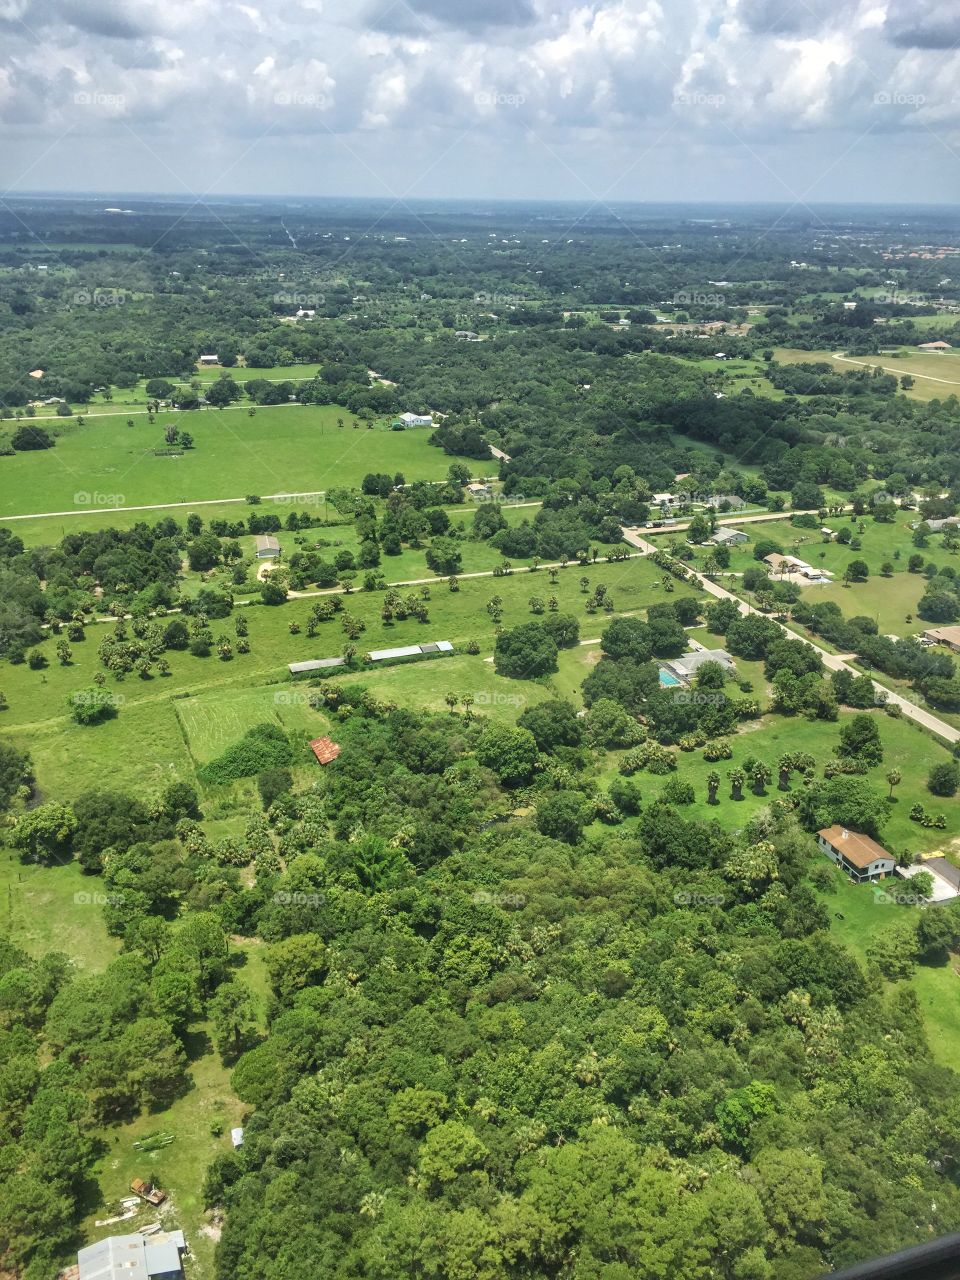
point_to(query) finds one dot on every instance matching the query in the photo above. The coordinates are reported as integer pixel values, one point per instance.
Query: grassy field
(285, 449)
(212, 720)
(888, 600)
(52, 909)
(906, 748)
(936, 376)
(858, 914)
(146, 746)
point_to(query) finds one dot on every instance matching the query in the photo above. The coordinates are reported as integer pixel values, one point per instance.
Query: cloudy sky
(784, 100)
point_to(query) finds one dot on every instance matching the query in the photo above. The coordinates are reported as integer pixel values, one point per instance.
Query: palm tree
(467, 701)
(761, 775)
(713, 785)
(737, 779)
(894, 778)
(451, 700)
(785, 766)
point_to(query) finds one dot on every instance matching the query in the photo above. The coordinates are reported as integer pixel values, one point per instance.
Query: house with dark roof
(857, 854)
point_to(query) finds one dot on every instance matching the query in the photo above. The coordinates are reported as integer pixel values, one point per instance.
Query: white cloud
(505, 73)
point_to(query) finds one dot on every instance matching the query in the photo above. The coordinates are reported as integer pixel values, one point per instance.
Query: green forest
(518, 957)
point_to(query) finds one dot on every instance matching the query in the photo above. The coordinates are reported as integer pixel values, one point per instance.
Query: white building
(416, 419)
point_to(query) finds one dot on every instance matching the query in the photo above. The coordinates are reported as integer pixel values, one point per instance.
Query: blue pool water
(667, 680)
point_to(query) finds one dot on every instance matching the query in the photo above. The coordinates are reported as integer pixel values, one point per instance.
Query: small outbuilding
(325, 749)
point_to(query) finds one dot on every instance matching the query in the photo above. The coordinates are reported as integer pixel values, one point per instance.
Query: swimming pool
(667, 680)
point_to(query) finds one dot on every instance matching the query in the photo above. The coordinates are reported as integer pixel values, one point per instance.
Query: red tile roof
(325, 749)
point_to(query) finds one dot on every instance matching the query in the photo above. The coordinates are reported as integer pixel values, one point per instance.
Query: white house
(685, 668)
(728, 537)
(209, 359)
(416, 419)
(858, 855)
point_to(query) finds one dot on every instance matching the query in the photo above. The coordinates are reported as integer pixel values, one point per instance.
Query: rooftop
(325, 749)
(857, 848)
(947, 635)
(132, 1257)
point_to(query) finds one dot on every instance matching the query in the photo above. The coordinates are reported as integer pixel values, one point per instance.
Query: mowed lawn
(284, 449)
(206, 1103)
(906, 748)
(861, 913)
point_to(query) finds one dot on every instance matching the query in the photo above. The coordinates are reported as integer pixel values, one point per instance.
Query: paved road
(841, 662)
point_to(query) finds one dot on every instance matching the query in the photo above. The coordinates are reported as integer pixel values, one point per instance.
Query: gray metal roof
(411, 650)
(132, 1257)
(407, 651)
(315, 664)
(115, 1258)
(694, 661)
(163, 1254)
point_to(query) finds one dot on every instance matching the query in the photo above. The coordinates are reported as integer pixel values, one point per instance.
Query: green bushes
(263, 747)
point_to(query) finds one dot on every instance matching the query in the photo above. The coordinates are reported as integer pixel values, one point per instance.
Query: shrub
(263, 747)
(90, 706)
(944, 779)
